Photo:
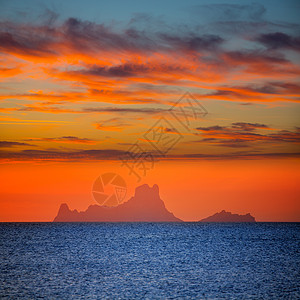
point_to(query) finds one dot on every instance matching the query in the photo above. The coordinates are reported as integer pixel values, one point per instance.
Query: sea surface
(150, 260)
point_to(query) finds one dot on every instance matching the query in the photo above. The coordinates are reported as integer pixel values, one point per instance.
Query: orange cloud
(65, 140)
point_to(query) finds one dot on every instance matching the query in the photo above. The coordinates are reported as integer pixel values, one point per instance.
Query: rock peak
(64, 207)
(145, 189)
(227, 216)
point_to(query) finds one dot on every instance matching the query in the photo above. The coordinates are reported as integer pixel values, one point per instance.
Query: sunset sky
(81, 82)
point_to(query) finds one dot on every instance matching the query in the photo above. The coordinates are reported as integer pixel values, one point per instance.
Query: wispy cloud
(64, 139)
(8, 144)
(57, 155)
(139, 110)
(241, 134)
(114, 124)
(115, 154)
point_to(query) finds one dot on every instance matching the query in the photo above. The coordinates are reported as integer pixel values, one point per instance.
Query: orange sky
(192, 190)
(77, 92)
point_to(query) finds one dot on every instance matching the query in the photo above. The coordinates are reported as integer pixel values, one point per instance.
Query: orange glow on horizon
(240, 186)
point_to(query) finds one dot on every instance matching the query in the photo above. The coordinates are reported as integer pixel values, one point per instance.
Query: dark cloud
(51, 38)
(268, 90)
(211, 128)
(69, 139)
(286, 87)
(238, 155)
(127, 70)
(124, 70)
(255, 56)
(279, 40)
(73, 138)
(171, 130)
(286, 136)
(108, 154)
(77, 35)
(233, 143)
(8, 144)
(114, 154)
(144, 110)
(155, 35)
(246, 103)
(264, 89)
(192, 42)
(229, 94)
(249, 126)
(206, 140)
(26, 40)
(86, 35)
(242, 134)
(89, 36)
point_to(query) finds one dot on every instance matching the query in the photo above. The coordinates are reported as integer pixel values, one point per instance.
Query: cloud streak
(242, 134)
(9, 144)
(115, 154)
(64, 139)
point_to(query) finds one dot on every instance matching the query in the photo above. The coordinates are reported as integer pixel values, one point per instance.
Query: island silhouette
(145, 206)
(226, 216)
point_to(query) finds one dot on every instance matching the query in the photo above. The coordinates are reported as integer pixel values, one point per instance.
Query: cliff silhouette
(225, 216)
(144, 206)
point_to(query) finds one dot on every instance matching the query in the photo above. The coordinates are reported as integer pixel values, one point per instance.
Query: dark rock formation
(145, 206)
(225, 216)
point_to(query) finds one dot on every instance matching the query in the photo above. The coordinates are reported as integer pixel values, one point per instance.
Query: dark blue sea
(150, 260)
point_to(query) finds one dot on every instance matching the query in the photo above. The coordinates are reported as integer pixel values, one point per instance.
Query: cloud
(211, 128)
(246, 103)
(88, 36)
(237, 155)
(249, 126)
(45, 109)
(56, 155)
(152, 64)
(114, 124)
(56, 109)
(64, 139)
(143, 110)
(279, 40)
(257, 92)
(115, 154)
(104, 95)
(286, 136)
(191, 41)
(171, 130)
(128, 70)
(29, 40)
(79, 36)
(26, 40)
(242, 134)
(8, 144)
(255, 57)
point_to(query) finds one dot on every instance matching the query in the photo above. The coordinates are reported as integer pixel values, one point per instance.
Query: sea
(150, 260)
